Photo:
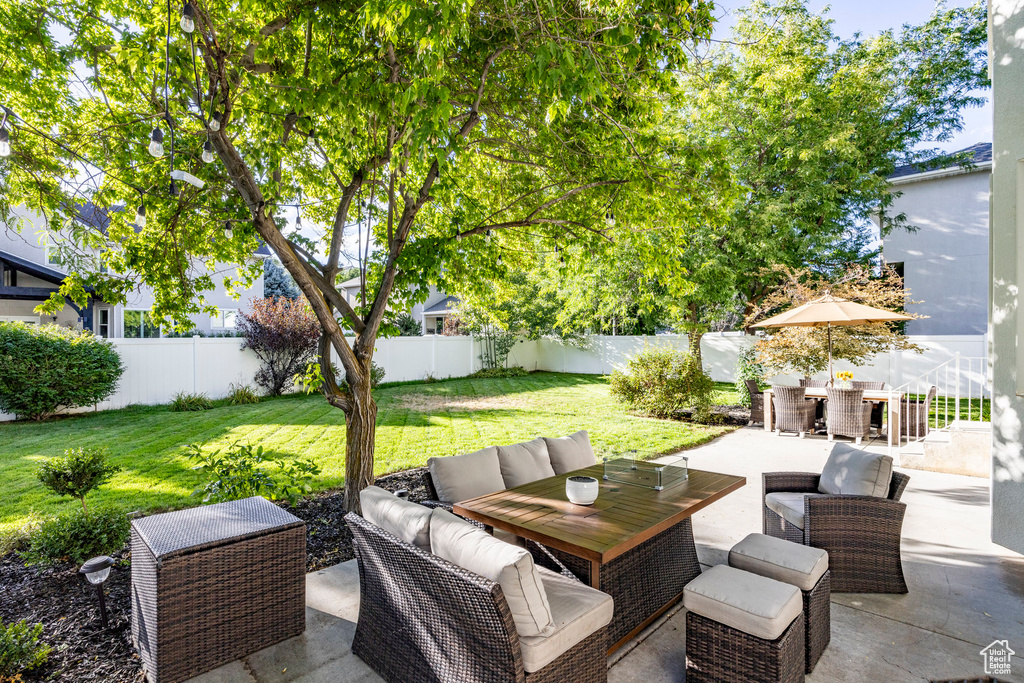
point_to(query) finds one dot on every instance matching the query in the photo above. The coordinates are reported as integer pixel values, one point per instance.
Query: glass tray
(627, 469)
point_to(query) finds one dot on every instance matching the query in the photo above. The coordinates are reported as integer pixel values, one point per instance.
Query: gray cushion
(408, 521)
(522, 463)
(461, 477)
(754, 604)
(577, 611)
(853, 472)
(472, 548)
(789, 506)
(571, 452)
(798, 565)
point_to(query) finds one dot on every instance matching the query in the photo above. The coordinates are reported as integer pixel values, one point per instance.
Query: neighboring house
(430, 314)
(945, 262)
(30, 271)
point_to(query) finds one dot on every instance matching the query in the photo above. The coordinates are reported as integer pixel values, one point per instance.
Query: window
(103, 322)
(140, 325)
(53, 256)
(224, 317)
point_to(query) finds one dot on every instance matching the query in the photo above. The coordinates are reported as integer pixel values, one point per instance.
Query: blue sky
(870, 17)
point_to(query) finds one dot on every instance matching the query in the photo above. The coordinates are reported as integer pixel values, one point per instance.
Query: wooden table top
(623, 516)
(869, 394)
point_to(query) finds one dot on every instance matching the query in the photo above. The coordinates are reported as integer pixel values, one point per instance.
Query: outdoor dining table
(891, 398)
(634, 542)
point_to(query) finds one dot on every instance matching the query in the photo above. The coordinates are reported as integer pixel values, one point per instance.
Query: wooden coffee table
(634, 543)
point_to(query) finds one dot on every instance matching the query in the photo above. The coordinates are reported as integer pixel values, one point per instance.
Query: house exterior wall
(1006, 67)
(945, 262)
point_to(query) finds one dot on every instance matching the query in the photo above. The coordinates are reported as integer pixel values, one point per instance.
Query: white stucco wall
(1006, 64)
(945, 261)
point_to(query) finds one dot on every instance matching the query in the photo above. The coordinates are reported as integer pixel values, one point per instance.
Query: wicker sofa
(852, 510)
(425, 617)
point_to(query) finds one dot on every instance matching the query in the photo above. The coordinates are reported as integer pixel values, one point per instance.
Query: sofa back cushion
(522, 463)
(461, 477)
(407, 521)
(853, 472)
(472, 548)
(571, 452)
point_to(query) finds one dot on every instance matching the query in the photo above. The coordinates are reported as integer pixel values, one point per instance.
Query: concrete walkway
(965, 592)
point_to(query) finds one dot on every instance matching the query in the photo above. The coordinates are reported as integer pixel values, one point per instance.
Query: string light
(609, 218)
(156, 143)
(188, 23)
(174, 188)
(499, 262)
(228, 232)
(208, 152)
(5, 143)
(214, 124)
(140, 215)
(487, 236)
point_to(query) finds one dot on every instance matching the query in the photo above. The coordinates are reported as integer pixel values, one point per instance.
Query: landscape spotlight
(96, 571)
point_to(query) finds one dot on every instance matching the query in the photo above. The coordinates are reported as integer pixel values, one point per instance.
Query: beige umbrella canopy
(828, 311)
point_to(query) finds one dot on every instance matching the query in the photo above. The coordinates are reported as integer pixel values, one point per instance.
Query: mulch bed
(82, 650)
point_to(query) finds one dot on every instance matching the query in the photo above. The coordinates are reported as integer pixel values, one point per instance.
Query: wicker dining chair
(914, 415)
(813, 383)
(860, 533)
(819, 410)
(848, 414)
(877, 407)
(756, 402)
(793, 412)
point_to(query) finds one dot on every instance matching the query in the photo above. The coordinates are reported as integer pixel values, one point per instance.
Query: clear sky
(872, 16)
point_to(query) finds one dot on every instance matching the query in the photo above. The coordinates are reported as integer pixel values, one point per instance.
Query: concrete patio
(965, 592)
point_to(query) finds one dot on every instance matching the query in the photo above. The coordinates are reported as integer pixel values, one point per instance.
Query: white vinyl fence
(157, 369)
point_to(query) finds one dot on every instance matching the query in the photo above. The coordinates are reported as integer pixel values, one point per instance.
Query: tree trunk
(694, 338)
(360, 434)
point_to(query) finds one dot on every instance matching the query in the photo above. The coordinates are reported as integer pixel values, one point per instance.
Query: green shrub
(488, 373)
(184, 403)
(75, 536)
(747, 367)
(20, 649)
(244, 471)
(77, 472)
(660, 382)
(45, 369)
(312, 378)
(242, 394)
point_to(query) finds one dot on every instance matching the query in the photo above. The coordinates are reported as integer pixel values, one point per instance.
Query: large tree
(423, 139)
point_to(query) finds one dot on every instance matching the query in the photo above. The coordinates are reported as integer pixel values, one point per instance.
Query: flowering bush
(283, 333)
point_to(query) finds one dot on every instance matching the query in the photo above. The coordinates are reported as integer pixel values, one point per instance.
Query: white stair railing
(933, 401)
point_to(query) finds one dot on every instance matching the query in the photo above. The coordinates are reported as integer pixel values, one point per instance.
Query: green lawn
(415, 422)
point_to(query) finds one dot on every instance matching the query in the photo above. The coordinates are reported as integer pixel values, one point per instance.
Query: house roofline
(942, 173)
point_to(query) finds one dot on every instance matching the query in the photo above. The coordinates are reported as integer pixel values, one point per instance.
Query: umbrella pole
(831, 377)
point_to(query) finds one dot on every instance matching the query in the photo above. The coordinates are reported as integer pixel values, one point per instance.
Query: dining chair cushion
(521, 463)
(577, 611)
(461, 477)
(754, 604)
(853, 472)
(798, 565)
(789, 506)
(456, 540)
(407, 521)
(568, 453)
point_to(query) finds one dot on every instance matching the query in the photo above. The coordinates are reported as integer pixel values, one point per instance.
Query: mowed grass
(414, 422)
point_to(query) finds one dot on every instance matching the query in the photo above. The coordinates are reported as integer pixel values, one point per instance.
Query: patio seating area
(963, 591)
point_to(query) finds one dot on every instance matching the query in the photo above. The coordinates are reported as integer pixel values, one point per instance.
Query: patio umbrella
(828, 311)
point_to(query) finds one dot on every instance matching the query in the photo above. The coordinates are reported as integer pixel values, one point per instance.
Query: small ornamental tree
(77, 472)
(44, 369)
(283, 333)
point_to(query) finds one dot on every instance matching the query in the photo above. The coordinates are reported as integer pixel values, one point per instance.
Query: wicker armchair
(877, 407)
(756, 402)
(860, 533)
(819, 409)
(914, 415)
(848, 414)
(422, 618)
(793, 412)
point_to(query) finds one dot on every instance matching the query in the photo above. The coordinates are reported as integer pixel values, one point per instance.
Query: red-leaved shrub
(284, 335)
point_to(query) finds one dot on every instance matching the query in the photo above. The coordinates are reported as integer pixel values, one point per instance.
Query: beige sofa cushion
(522, 463)
(577, 611)
(571, 452)
(750, 603)
(408, 521)
(798, 565)
(853, 472)
(472, 548)
(461, 477)
(789, 506)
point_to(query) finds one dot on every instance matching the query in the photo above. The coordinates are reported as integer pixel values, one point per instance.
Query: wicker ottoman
(214, 584)
(798, 565)
(743, 627)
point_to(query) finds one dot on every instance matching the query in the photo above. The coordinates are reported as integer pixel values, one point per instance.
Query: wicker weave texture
(192, 612)
(817, 620)
(914, 415)
(848, 414)
(716, 653)
(793, 412)
(756, 401)
(422, 618)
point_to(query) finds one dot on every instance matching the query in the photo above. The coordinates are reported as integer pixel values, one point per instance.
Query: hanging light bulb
(561, 259)
(208, 152)
(214, 121)
(499, 262)
(228, 232)
(5, 143)
(156, 143)
(188, 23)
(140, 215)
(487, 236)
(609, 218)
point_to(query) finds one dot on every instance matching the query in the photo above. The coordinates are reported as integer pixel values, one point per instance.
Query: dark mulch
(66, 605)
(730, 415)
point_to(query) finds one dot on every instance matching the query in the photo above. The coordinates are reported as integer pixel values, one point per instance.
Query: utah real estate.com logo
(997, 658)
